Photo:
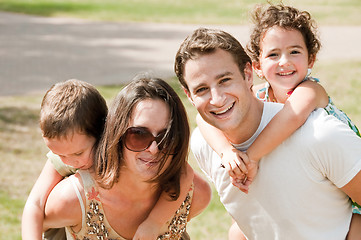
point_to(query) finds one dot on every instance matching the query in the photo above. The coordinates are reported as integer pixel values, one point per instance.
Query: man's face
(218, 90)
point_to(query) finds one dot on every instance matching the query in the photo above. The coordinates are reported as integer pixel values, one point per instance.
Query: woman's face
(152, 115)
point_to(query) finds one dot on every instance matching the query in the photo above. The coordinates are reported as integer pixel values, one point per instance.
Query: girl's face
(152, 115)
(74, 150)
(284, 58)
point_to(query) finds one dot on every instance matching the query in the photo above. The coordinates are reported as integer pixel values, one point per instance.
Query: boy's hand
(147, 230)
(252, 167)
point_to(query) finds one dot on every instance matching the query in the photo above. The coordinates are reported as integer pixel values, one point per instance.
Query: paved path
(36, 52)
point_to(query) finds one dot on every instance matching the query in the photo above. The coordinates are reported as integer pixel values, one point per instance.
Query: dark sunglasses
(138, 139)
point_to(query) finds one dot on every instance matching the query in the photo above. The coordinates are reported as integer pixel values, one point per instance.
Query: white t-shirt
(63, 169)
(296, 193)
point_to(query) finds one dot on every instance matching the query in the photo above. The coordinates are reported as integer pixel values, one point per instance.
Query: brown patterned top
(95, 225)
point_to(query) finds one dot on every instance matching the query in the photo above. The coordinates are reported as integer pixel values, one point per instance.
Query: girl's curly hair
(286, 17)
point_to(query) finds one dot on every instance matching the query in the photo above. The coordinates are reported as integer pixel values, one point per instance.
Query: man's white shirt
(295, 194)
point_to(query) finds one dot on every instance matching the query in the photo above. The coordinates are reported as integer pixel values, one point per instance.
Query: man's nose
(217, 97)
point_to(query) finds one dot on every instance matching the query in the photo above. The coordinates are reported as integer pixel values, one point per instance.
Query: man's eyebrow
(221, 75)
(224, 74)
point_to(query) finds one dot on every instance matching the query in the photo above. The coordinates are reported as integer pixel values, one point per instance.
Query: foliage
(185, 11)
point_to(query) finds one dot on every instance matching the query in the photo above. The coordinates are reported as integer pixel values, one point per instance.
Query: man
(302, 188)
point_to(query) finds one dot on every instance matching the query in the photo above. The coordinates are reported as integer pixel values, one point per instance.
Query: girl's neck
(279, 96)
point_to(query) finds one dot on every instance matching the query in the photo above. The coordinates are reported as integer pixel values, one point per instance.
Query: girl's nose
(284, 61)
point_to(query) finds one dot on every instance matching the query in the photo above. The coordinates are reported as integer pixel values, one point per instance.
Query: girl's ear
(311, 61)
(257, 69)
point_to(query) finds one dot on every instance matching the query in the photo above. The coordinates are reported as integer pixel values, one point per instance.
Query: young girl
(283, 49)
(72, 119)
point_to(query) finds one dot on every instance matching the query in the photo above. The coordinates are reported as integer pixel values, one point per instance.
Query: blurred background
(106, 42)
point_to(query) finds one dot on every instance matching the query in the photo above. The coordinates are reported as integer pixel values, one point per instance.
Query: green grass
(22, 151)
(344, 12)
(10, 212)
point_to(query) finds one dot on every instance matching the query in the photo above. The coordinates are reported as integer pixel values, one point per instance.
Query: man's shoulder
(270, 109)
(320, 118)
(325, 127)
(198, 143)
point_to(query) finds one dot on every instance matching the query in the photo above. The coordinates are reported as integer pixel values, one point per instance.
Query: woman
(142, 153)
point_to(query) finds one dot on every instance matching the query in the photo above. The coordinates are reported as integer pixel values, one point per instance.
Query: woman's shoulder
(202, 194)
(63, 206)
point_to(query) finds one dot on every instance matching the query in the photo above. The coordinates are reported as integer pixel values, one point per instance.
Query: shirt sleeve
(63, 169)
(202, 152)
(337, 150)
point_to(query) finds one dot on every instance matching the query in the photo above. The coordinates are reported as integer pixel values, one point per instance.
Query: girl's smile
(284, 58)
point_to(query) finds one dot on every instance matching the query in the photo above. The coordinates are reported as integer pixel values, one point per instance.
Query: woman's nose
(153, 148)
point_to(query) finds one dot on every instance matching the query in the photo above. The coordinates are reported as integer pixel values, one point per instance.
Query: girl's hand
(147, 230)
(252, 167)
(235, 164)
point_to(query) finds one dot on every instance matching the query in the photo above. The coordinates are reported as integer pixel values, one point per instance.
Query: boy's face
(218, 90)
(74, 150)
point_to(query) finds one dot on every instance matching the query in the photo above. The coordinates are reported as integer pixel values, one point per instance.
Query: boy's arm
(62, 207)
(305, 98)
(164, 209)
(33, 214)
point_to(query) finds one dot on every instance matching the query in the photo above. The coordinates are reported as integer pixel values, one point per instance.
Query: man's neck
(248, 127)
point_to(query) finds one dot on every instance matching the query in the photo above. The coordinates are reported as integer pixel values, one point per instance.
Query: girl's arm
(232, 159)
(164, 209)
(305, 98)
(33, 214)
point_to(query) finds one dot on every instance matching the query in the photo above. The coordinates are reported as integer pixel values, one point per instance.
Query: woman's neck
(133, 188)
(128, 203)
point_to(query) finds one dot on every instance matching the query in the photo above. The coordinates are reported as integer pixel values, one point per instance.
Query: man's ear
(188, 95)
(257, 69)
(248, 74)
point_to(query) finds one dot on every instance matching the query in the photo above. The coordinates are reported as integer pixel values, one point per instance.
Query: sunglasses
(138, 139)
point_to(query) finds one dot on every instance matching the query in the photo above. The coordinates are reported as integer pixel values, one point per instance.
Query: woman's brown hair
(109, 157)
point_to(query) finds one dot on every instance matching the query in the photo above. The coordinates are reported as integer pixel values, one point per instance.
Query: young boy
(72, 118)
